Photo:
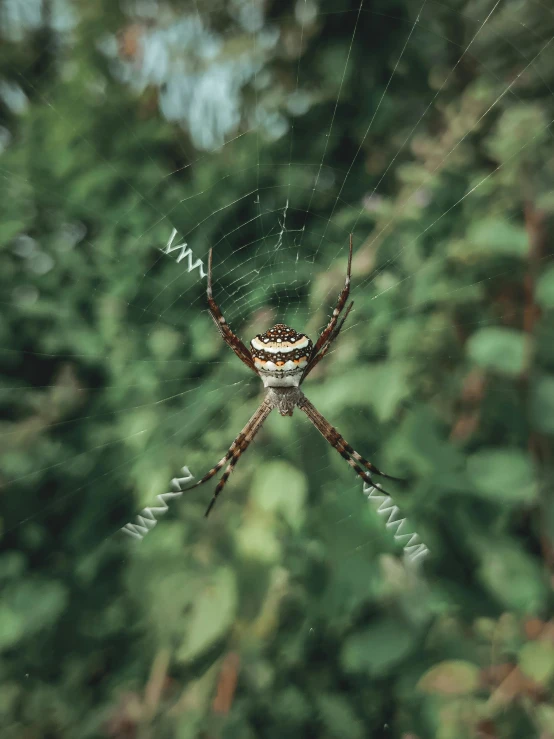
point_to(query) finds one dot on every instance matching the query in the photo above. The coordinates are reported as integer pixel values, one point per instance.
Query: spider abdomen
(281, 355)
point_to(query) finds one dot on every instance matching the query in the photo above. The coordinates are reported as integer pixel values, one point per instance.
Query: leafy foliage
(291, 610)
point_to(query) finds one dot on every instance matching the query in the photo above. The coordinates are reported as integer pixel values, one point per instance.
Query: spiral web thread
(146, 519)
(414, 549)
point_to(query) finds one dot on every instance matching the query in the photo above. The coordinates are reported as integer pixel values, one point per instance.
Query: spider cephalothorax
(281, 355)
(283, 358)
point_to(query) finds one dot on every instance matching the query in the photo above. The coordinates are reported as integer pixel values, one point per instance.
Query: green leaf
(536, 660)
(279, 487)
(520, 130)
(213, 611)
(10, 229)
(338, 717)
(545, 716)
(497, 236)
(544, 291)
(387, 387)
(503, 474)
(513, 577)
(256, 540)
(9, 695)
(452, 677)
(499, 349)
(381, 386)
(291, 706)
(377, 648)
(12, 628)
(542, 404)
(33, 606)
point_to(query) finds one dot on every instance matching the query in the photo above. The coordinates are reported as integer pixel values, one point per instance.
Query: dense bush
(292, 609)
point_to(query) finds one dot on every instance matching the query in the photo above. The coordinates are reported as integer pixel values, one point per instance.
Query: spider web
(280, 249)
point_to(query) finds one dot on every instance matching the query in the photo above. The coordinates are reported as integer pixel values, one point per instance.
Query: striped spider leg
(331, 331)
(239, 445)
(223, 327)
(282, 358)
(334, 333)
(331, 434)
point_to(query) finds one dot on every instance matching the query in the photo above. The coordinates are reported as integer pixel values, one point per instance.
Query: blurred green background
(270, 131)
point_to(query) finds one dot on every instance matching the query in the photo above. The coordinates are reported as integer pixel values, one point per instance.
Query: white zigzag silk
(146, 519)
(414, 548)
(185, 252)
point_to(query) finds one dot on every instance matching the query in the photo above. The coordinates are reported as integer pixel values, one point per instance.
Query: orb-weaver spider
(283, 358)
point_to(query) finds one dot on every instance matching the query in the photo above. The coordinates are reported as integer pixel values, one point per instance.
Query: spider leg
(239, 445)
(343, 447)
(242, 352)
(316, 360)
(221, 483)
(343, 297)
(329, 334)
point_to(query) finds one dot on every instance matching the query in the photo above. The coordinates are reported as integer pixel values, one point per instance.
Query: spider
(283, 358)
